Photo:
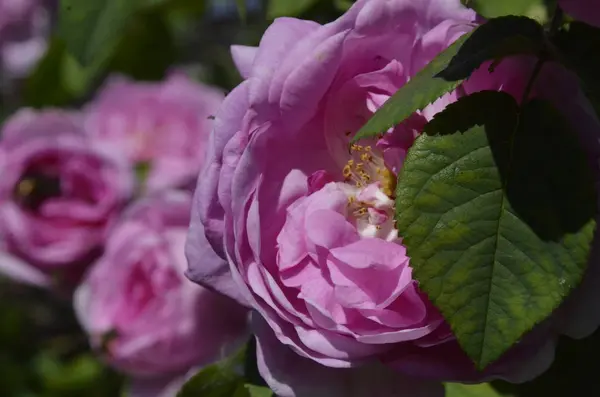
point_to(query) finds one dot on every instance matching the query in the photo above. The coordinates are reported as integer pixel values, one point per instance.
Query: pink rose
(58, 191)
(138, 308)
(165, 125)
(24, 30)
(289, 221)
(587, 11)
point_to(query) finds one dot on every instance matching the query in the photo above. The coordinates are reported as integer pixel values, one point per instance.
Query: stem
(555, 24)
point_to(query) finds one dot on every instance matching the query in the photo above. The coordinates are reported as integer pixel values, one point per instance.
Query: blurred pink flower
(289, 221)
(138, 308)
(24, 31)
(58, 192)
(165, 125)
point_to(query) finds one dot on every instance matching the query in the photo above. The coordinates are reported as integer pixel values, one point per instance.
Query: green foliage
(493, 40)
(57, 79)
(256, 391)
(146, 49)
(497, 220)
(91, 29)
(224, 378)
(535, 9)
(42, 351)
(282, 8)
(480, 390)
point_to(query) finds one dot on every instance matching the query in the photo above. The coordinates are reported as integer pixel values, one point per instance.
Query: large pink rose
(24, 31)
(58, 191)
(294, 222)
(140, 311)
(164, 125)
(587, 11)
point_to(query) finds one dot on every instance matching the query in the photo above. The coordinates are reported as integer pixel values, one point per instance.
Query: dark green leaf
(287, 8)
(91, 28)
(497, 220)
(498, 38)
(493, 40)
(146, 50)
(419, 92)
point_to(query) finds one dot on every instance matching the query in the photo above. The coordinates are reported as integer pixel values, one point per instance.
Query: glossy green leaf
(493, 40)
(497, 220)
(287, 8)
(91, 29)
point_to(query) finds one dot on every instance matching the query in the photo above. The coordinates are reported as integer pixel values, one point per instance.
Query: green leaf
(212, 381)
(495, 39)
(480, 390)
(241, 6)
(221, 379)
(258, 391)
(287, 8)
(146, 49)
(497, 220)
(91, 28)
(58, 79)
(535, 9)
(343, 5)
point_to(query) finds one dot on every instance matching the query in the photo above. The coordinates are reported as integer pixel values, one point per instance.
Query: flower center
(35, 188)
(370, 187)
(365, 167)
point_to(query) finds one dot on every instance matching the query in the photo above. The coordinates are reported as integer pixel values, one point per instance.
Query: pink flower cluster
(77, 216)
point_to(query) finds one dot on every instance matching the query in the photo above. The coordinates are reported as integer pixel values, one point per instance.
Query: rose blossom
(58, 191)
(141, 312)
(24, 30)
(164, 125)
(587, 11)
(303, 221)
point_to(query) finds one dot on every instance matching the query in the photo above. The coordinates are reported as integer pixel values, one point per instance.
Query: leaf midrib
(495, 261)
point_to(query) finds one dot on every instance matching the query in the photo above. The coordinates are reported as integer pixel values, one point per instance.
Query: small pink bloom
(24, 31)
(164, 125)
(140, 311)
(58, 191)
